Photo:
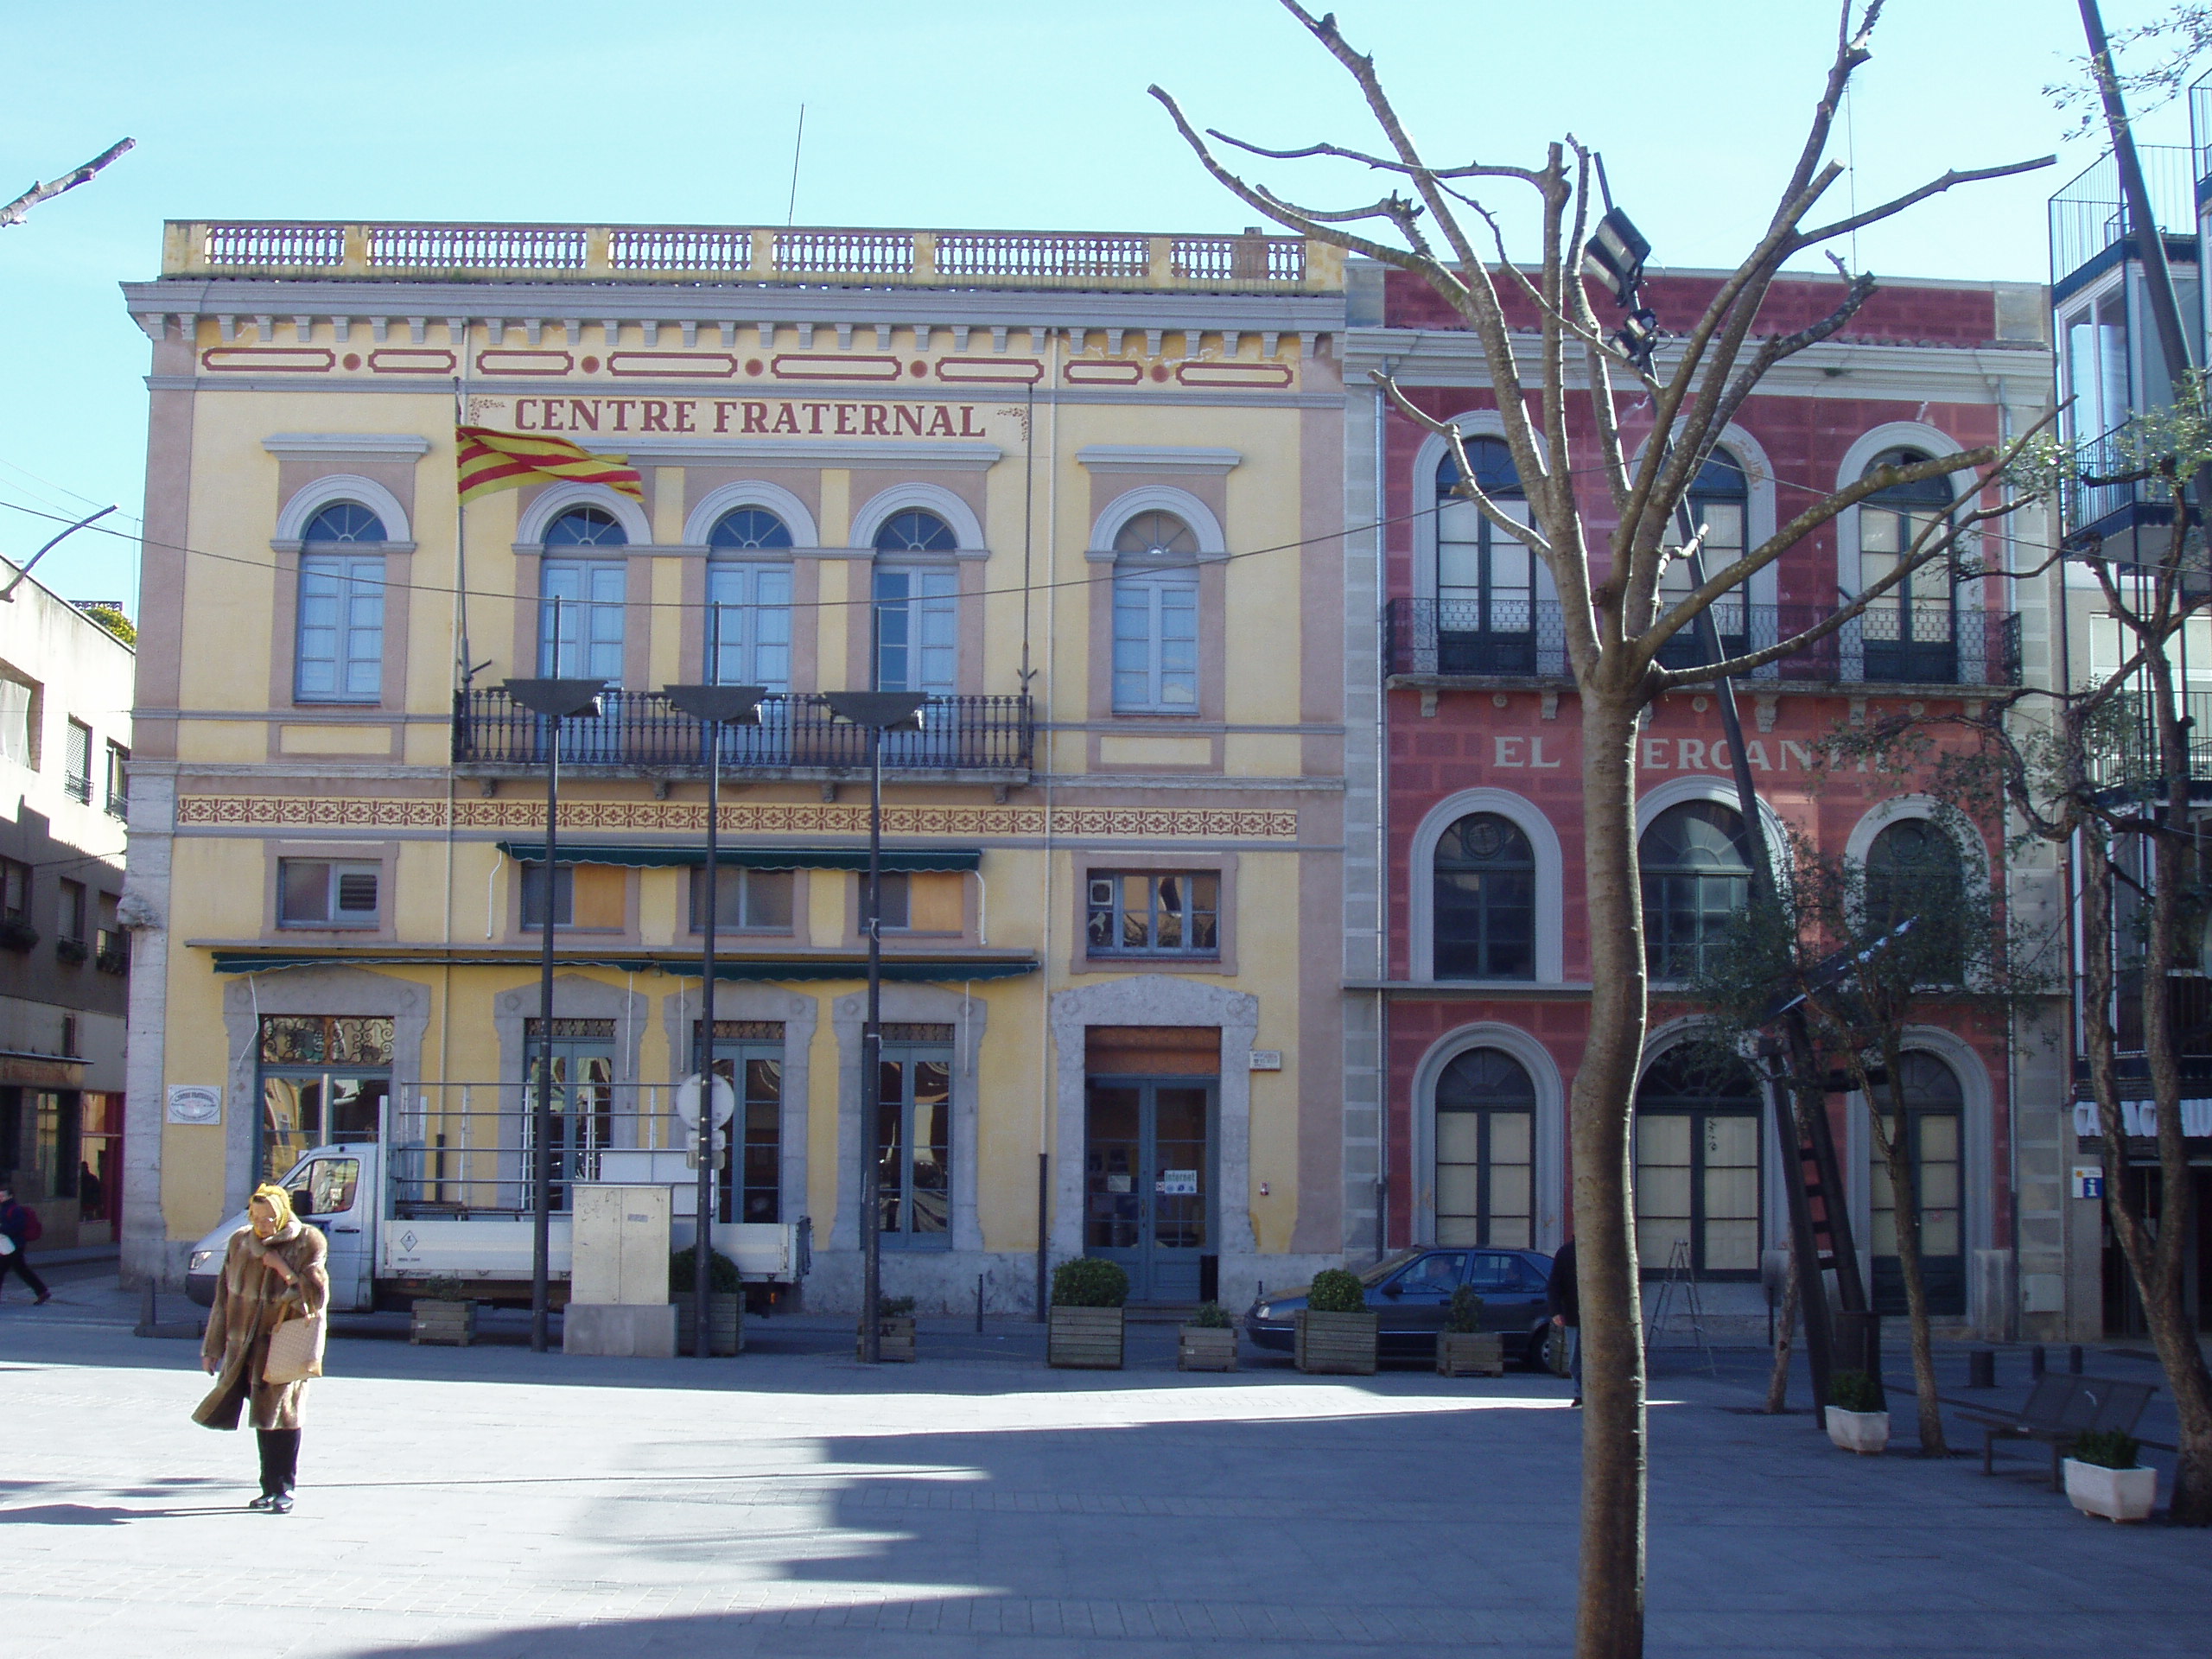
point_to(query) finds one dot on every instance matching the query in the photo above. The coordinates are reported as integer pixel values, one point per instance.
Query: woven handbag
(295, 1350)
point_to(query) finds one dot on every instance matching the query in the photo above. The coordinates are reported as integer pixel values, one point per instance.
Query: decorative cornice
(345, 443)
(689, 818)
(1156, 458)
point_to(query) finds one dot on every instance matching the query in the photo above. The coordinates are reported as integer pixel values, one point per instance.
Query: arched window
(586, 527)
(1720, 500)
(1485, 592)
(1155, 616)
(1913, 868)
(581, 599)
(1934, 1107)
(1697, 876)
(749, 527)
(1697, 1166)
(1485, 1143)
(342, 522)
(1910, 633)
(1485, 901)
(338, 650)
(915, 531)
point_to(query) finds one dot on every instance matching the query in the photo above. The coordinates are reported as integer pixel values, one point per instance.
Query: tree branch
(18, 210)
(1934, 187)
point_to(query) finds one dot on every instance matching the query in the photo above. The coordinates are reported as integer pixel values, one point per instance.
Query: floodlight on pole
(714, 706)
(555, 700)
(881, 712)
(1614, 254)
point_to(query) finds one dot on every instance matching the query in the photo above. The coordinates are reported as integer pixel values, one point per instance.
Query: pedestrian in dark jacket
(16, 1225)
(1563, 1296)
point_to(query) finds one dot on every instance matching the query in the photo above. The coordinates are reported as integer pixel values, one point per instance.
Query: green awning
(897, 968)
(651, 855)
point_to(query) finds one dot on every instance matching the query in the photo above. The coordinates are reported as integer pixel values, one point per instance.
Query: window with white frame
(2096, 366)
(1719, 501)
(749, 624)
(19, 721)
(328, 893)
(916, 630)
(579, 619)
(1155, 616)
(78, 782)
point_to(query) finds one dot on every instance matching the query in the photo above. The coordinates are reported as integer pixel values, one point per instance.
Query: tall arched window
(1910, 633)
(339, 644)
(1719, 499)
(1486, 1149)
(1155, 616)
(1934, 1107)
(1913, 869)
(1697, 1166)
(1485, 579)
(581, 598)
(748, 622)
(1697, 876)
(917, 619)
(1485, 900)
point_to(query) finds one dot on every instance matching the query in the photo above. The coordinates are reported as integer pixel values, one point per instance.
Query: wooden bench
(2060, 1410)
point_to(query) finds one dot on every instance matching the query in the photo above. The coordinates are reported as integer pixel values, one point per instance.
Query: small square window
(759, 899)
(327, 892)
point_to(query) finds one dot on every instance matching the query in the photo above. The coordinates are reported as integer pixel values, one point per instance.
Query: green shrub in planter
(1854, 1391)
(1213, 1316)
(894, 1307)
(1464, 1316)
(1088, 1282)
(2107, 1448)
(1335, 1291)
(722, 1276)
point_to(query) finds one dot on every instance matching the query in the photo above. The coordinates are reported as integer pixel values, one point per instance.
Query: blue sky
(986, 113)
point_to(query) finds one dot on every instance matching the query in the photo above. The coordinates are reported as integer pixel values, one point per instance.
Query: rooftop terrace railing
(2087, 214)
(795, 256)
(797, 733)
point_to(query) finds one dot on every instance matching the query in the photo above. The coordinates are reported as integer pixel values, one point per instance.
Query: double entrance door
(1148, 1182)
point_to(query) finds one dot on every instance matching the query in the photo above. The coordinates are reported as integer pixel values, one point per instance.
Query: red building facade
(1481, 1003)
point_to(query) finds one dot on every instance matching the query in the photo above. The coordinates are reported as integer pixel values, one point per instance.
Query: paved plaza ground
(485, 1502)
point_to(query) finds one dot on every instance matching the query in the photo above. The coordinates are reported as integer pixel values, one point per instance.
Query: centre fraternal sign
(606, 418)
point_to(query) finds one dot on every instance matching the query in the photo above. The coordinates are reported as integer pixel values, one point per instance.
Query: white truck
(384, 1249)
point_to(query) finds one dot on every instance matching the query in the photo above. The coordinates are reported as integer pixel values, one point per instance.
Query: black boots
(280, 1467)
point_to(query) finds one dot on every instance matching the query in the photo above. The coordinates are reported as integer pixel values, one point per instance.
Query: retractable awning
(898, 967)
(649, 855)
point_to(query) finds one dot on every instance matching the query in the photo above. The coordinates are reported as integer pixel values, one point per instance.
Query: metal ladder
(1678, 1296)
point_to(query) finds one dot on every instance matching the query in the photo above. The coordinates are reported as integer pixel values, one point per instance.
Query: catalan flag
(506, 460)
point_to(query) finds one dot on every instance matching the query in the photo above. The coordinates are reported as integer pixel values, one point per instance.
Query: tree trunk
(1777, 1382)
(1610, 1612)
(1895, 1146)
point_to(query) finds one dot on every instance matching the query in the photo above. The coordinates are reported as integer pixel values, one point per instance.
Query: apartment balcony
(988, 738)
(2089, 227)
(2124, 750)
(1442, 643)
(735, 255)
(111, 951)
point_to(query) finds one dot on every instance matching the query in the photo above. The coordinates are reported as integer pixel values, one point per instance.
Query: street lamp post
(714, 706)
(881, 712)
(553, 700)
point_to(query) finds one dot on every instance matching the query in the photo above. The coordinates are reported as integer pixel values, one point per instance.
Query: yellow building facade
(1083, 493)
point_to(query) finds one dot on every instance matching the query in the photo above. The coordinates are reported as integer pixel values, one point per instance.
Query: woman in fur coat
(272, 1270)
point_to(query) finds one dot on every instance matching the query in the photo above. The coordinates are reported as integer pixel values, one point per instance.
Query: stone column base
(620, 1330)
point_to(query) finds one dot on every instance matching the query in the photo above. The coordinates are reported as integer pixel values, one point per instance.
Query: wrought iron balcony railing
(796, 733)
(2124, 746)
(1450, 638)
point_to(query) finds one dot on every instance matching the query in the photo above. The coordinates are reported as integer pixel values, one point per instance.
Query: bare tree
(2106, 771)
(1609, 584)
(18, 210)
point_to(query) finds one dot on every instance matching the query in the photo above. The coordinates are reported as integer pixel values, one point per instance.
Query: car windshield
(1388, 1265)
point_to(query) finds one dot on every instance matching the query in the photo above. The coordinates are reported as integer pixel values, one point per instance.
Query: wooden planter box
(1205, 1348)
(1338, 1343)
(1085, 1338)
(451, 1323)
(894, 1340)
(1470, 1353)
(725, 1323)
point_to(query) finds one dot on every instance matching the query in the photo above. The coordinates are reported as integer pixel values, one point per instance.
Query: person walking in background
(1564, 1297)
(272, 1270)
(19, 1229)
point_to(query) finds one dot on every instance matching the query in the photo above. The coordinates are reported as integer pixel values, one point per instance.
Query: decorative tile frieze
(738, 817)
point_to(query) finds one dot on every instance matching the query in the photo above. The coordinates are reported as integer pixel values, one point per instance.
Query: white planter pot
(1864, 1432)
(2116, 1494)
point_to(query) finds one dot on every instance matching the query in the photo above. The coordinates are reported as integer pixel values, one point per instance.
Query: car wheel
(1547, 1349)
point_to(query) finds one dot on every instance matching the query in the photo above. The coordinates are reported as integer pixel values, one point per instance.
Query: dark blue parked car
(1411, 1291)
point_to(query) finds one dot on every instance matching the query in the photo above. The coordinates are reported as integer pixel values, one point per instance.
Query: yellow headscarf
(278, 1201)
